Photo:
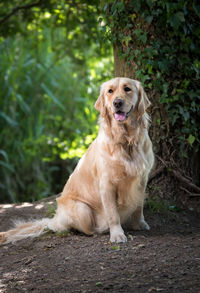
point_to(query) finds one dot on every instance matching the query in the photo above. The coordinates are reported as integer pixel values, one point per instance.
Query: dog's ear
(100, 104)
(143, 102)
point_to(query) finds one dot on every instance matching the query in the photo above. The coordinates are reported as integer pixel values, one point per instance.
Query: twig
(156, 172)
(174, 164)
(16, 9)
(164, 162)
(186, 181)
(190, 193)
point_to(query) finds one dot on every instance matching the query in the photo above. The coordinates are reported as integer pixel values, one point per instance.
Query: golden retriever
(107, 188)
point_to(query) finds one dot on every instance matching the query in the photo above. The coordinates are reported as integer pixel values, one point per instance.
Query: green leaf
(149, 19)
(7, 166)
(115, 247)
(127, 39)
(8, 119)
(23, 104)
(191, 139)
(180, 16)
(99, 284)
(138, 32)
(4, 154)
(143, 38)
(176, 19)
(158, 121)
(52, 96)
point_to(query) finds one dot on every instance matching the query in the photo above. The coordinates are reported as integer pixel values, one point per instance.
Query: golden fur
(107, 188)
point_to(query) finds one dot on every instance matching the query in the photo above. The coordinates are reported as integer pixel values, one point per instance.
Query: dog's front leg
(108, 196)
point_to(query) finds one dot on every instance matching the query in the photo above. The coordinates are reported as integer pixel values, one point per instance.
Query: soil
(165, 259)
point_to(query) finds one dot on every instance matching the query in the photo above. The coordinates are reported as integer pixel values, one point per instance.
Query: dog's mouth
(122, 116)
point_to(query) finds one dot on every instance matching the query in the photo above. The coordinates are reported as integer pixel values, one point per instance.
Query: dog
(107, 188)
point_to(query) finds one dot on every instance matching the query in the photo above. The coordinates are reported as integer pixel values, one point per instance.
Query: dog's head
(121, 98)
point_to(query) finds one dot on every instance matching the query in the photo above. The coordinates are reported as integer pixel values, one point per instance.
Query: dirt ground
(165, 259)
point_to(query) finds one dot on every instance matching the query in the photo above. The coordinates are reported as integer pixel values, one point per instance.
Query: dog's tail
(74, 214)
(27, 229)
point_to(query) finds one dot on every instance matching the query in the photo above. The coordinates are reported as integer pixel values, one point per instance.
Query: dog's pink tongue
(120, 116)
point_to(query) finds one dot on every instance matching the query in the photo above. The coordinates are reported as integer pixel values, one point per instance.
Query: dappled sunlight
(50, 202)
(6, 206)
(36, 205)
(39, 206)
(24, 205)
(79, 146)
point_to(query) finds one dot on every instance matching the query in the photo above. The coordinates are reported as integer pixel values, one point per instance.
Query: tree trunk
(120, 66)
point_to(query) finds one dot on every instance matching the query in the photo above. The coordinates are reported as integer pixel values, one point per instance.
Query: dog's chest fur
(124, 160)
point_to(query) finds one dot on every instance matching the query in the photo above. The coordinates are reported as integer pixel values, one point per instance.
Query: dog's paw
(140, 225)
(117, 235)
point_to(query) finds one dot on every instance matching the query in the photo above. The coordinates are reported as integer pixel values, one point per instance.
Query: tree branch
(190, 193)
(156, 172)
(186, 181)
(182, 178)
(16, 9)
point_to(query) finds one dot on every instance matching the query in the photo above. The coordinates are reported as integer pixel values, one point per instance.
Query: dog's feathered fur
(107, 188)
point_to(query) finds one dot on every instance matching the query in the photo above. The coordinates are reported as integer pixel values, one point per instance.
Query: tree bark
(121, 69)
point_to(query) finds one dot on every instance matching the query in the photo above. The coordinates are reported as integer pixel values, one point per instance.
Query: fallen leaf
(115, 247)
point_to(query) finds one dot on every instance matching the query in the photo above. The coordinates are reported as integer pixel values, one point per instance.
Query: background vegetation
(52, 64)
(55, 54)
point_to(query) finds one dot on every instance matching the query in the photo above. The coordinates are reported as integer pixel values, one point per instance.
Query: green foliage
(52, 65)
(115, 247)
(99, 284)
(63, 234)
(162, 40)
(50, 211)
(155, 204)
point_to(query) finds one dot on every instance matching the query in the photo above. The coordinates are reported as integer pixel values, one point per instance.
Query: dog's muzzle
(122, 116)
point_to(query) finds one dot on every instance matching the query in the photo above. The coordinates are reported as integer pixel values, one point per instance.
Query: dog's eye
(110, 91)
(127, 89)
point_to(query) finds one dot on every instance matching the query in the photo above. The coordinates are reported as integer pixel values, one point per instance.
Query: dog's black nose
(118, 103)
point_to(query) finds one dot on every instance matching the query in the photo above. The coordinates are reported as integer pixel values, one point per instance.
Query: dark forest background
(54, 55)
